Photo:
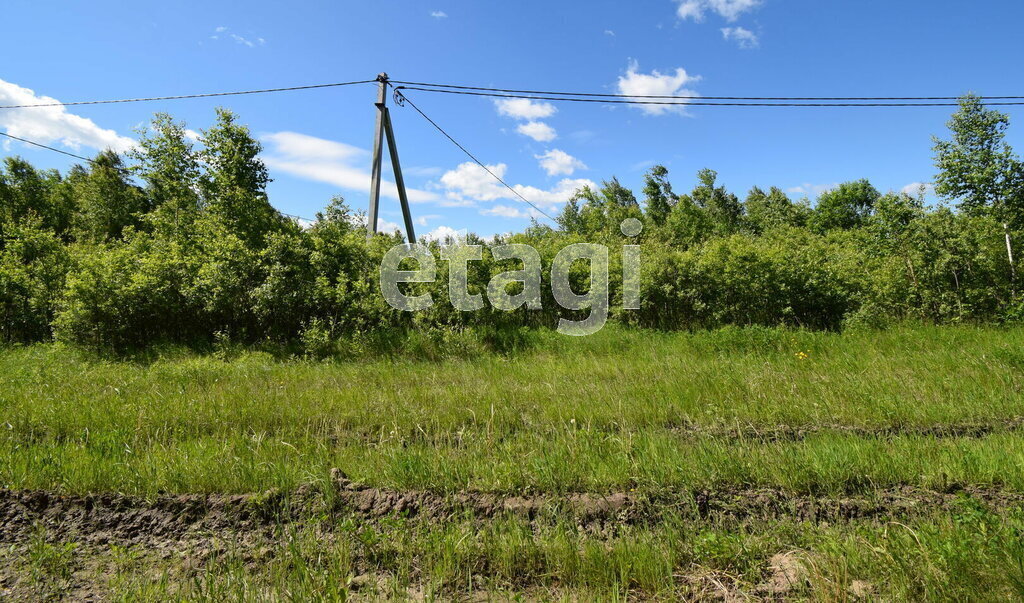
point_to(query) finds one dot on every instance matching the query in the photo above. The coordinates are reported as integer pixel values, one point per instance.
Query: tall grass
(594, 413)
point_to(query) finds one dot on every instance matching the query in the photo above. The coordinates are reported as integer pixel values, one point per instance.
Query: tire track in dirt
(787, 433)
(112, 518)
(691, 431)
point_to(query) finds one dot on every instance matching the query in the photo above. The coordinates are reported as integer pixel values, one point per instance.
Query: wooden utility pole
(382, 129)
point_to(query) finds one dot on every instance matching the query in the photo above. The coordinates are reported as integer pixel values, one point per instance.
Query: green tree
(26, 191)
(107, 202)
(569, 219)
(617, 195)
(765, 211)
(658, 196)
(234, 180)
(687, 224)
(723, 208)
(977, 168)
(847, 206)
(33, 265)
(168, 165)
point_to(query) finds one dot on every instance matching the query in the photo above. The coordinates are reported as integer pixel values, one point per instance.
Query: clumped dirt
(194, 527)
(112, 518)
(786, 572)
(753, 432)
(786, 433)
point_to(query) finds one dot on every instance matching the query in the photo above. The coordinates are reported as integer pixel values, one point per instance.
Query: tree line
(177, 242)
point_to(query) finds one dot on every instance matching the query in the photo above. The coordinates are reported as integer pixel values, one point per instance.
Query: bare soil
(114, 518)
(191, 528)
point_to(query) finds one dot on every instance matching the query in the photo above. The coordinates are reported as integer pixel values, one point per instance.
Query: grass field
(734, 463)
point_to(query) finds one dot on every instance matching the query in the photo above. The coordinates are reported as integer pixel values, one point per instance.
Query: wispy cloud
(238, 39)
(505, 211)
(335, 163)
(424, 219)
(915, 188)
(812, 190)
(439, 14)
(729, 10)
(54, 124)
(388, 226)
(470, 182)
(745, 38)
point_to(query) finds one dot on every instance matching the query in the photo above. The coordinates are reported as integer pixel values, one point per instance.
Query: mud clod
(787, 572)
(117, 519)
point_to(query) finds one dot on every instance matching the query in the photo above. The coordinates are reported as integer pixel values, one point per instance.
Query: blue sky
(317, 141)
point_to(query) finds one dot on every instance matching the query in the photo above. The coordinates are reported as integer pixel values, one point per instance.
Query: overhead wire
(184, 96)
(97, 163)
(694, 101)
(48, 148)
(676, 96)
(548, 95)
(401, 98)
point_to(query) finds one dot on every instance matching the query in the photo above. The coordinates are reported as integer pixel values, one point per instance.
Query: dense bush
(183, 247)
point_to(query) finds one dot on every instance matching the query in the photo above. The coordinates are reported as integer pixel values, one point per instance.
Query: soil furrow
(103, 518)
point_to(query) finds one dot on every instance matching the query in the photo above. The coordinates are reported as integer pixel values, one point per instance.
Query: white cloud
(524, 108)
(446, 233)
(812, 190)
(505, 211)
(555, 196)
(237, 38)
(439, 14)
(422, 220)
(453, 200)
(241, 40)
(656, 83)
(53, 124)
(642, 165)
(335, 163)
(729, 10)
(537, 130)
(470, 183)
(559, 163)
(914, 188)
(609, 32)
(386, 226)
(423, 171)
(744, 37)
(191, 135)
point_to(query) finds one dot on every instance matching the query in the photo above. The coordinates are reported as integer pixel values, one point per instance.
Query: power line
(97, 163)
(679, 97)
(756, 101)
(183, 96)
(405, 99)
(43, 146)
(696, 101)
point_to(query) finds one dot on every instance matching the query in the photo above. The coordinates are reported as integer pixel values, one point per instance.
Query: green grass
(595, 413)
(965, 555)
(623, 410)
